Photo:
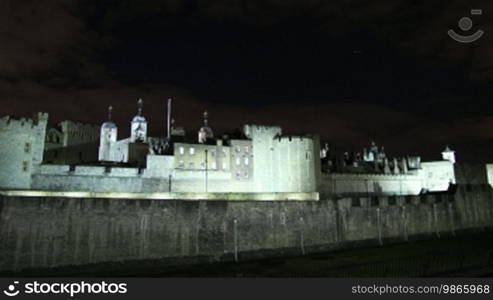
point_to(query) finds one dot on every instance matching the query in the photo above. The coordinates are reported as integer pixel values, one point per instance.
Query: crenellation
(21, 124)
(261, 131)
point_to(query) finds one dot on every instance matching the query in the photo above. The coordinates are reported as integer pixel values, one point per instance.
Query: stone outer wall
(51, 232)
(433, 177)
(471, 173)
(378, 184)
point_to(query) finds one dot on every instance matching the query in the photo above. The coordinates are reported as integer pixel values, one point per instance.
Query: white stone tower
(448, 154)
(138, 131)
(21, 149)
(109, 134)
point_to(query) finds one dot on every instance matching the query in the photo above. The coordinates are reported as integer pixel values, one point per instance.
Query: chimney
(168, 125)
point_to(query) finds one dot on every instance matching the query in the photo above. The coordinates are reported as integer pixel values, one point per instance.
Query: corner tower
(21, 149)
(448, 154)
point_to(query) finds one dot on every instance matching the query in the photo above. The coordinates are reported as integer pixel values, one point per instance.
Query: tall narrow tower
(138, 127)
(205, 132)
(109, 134)
(448, 154)
(168, 121)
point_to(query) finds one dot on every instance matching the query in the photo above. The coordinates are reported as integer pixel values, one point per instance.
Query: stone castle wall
(51, 232)
(379, 184)
(76, 133)
(432, 177)
(471, 173)
(272, 163)
(79, 144)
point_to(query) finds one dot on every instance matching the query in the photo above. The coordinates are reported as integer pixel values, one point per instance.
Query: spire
(138, 127)
(110, 112)
(386, 166)
(168, 120)
(140, 104)
(205, 131)
(206, 118)
(404, 165)
(396, 166)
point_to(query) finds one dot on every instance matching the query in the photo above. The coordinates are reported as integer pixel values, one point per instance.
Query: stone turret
(404, 165)
(109, 134)
(395, 166)
(448, 154)
(138, 131)
(386, 167)
(205, 133)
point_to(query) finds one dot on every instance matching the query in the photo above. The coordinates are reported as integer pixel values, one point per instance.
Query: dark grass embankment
(464, 255)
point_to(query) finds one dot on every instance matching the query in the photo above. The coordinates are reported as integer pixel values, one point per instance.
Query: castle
(75, 157)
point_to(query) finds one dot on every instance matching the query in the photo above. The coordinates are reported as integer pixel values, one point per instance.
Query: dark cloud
(352, 71)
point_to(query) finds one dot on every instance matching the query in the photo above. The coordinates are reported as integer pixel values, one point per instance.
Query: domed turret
(138, 126)
(109, 124)
(109, 135)
(448, 154)
(205, 131)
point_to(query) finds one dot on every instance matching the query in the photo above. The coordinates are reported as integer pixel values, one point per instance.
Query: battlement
(294, 139)
(376, 176)
(78, 126)
(78, 133)
(252, 131)
(41, 117)
(23, 124)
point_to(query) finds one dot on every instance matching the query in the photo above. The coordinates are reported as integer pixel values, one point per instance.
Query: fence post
(235, 232)
(379, 225)
(302, 237)
(435, 217)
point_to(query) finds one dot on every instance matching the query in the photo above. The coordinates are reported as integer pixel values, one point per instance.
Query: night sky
(352, 71)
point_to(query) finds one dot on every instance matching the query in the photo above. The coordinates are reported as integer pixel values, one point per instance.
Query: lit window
(247, 149)
(192, 151)
(238, 161)
(182, 150)
(246, 160)
(214, 165)
(225, 166)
